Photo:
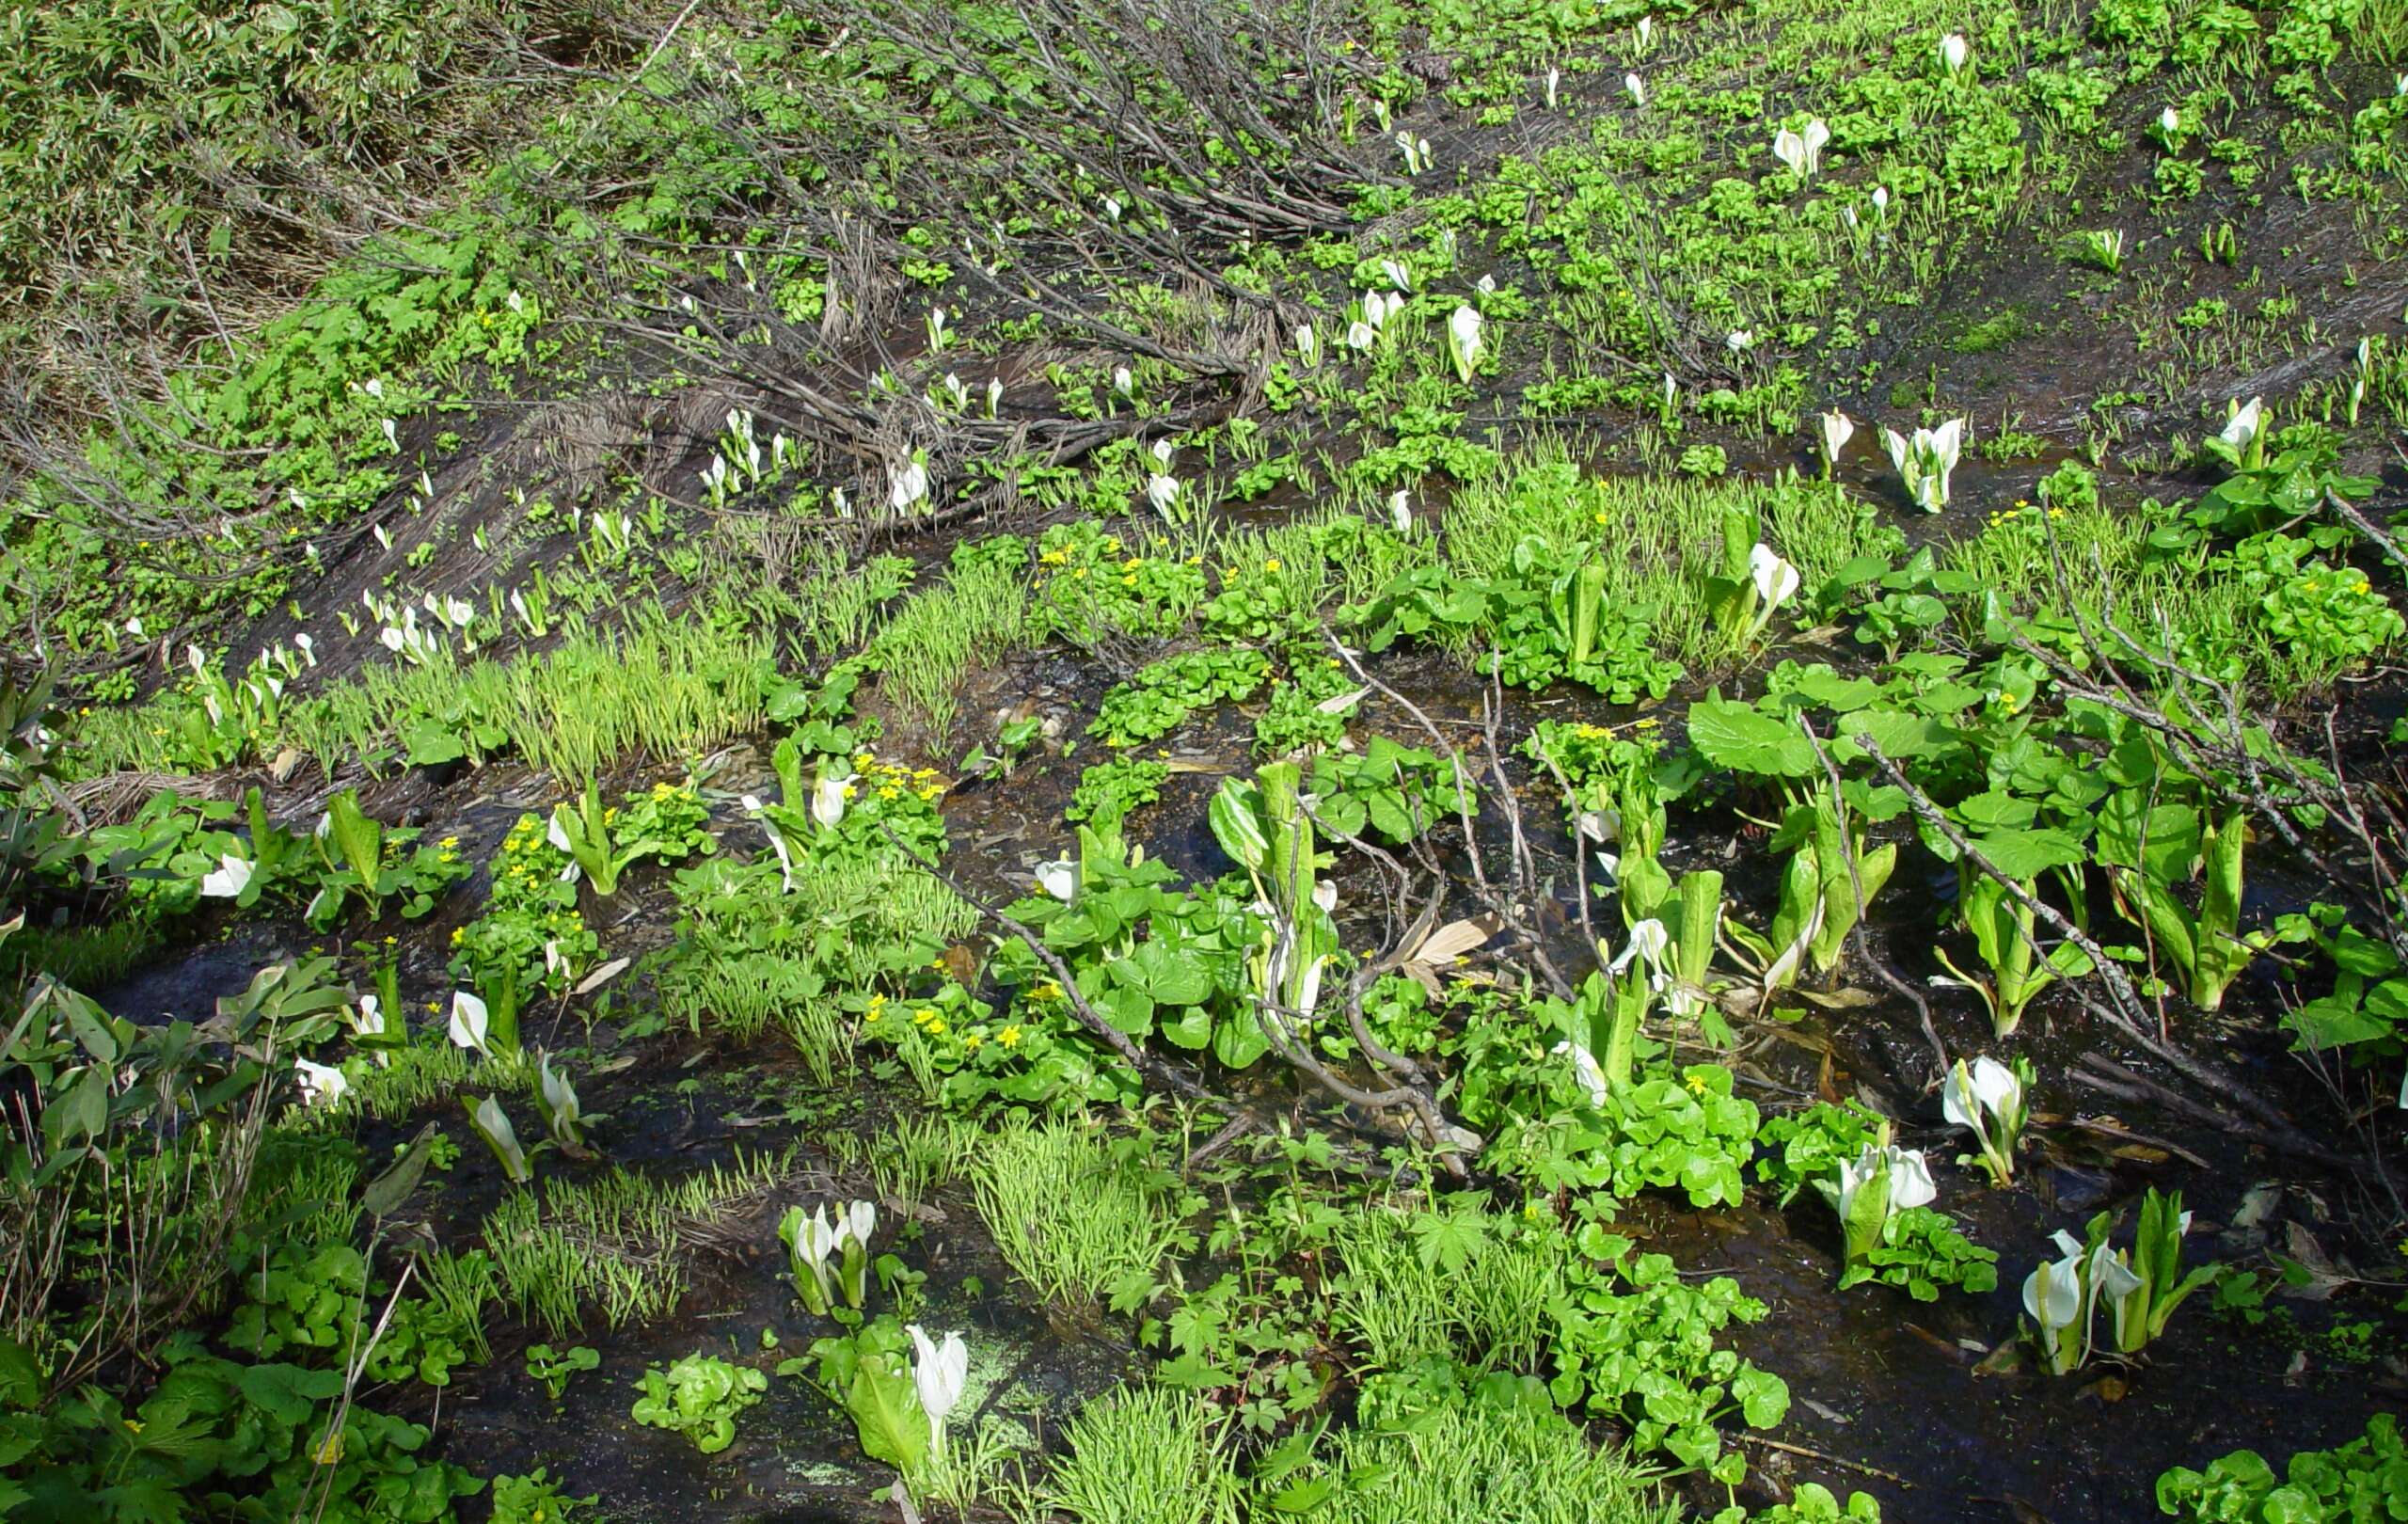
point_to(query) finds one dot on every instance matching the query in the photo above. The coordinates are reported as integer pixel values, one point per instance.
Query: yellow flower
(970, 1041)
(1271, 565)
(923, 1016)
(936, 1028)
(1696, 1084)
(1009, 1036)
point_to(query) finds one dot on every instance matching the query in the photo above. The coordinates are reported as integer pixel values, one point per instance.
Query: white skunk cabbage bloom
(1586, 1068)
(939, 1373)
(2240, 429)
(470, 1020)
(1924, 461)
(1060, 879)
(1955, 51)
(322, 1084)
(828, 800)
(232, 876)
(1464, 340)
(1162, 492)
(1911, 1184)
(1636, 88)
(1802, 151)
(907, 486)
(1838, 429)
(1985, 1088)
(1401, 511)
(1773, 577)
(1648, 941)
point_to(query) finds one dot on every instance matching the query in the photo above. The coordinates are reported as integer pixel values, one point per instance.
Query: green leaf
(887, 1415)
(1746, 740)
(2025, 855)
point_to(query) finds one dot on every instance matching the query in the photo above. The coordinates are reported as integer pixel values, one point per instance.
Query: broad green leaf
(1746, 740)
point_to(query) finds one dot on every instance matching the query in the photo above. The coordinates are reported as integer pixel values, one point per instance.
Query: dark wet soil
(1888, 1395)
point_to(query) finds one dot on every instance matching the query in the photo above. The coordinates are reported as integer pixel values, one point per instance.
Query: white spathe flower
(1325, 897)
(1401, 511)
(939, 1373)
(856, 1223)
(1648, 941)
(1397, 276)
(2241, 427)
(1954, 52)
(322, 1084)
(1739, 340)
(1464, 340)
(1838, 429)
(1163, 453)
(307, 647)
(134, 626)
(1911, 1183)
(1554, 78)
(818, 1237)
(233, 875)
(2169, 121)
(828, 800)
(1984, 1087)
(1162, 492)
(1308, 346)
(555, 837)
(1880, 199)
(559, 1096)
(1636, 88)
(1910, 1177)
(1122, 382)
(2110, 1276)
(470, 1020)
(907, 486)
(1802, 151)
(2052, 1295)
(1586, 1068)
(1924, 461)
(1060, 879)
(1773, 576)
(366, 1019)
(1361, 335)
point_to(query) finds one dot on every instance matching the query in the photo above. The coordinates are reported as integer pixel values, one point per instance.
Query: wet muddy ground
(1900, 1399)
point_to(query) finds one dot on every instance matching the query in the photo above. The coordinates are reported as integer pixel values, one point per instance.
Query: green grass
(617, 1246)
(1141, 1456)
(1499, 1461)
(978, 615)
(1401, 1304)
(1075, 1214)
